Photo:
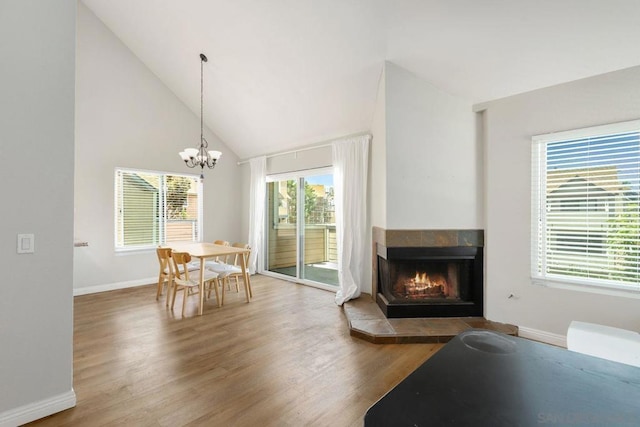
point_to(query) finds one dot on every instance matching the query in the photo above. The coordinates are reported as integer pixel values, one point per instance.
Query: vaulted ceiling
(287, 73)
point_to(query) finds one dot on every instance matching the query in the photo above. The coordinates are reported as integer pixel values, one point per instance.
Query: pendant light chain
(201, 156)
(202, 97)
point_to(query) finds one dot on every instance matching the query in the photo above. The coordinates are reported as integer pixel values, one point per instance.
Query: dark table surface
(483, 378)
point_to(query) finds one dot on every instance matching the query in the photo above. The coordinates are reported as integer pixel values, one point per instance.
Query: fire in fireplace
(425, 285)
(430, 281)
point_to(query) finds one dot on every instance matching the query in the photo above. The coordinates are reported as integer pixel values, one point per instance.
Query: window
(586, 207)
(153, 208)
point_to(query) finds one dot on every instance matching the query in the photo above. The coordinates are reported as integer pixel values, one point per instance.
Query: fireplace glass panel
(429, 281)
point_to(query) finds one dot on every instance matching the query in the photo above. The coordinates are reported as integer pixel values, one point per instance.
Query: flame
(423, 285)
(423, 279)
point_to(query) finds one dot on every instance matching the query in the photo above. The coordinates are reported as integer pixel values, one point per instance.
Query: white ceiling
(288, 73)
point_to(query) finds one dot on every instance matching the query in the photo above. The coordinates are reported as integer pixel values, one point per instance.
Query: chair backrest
(164, 258)
(223, 243)
(243, 246)
(181, 259)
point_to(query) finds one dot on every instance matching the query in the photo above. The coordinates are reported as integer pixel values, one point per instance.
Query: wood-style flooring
(284, 359)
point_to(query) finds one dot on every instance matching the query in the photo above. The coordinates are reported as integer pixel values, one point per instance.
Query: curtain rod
(326, 143)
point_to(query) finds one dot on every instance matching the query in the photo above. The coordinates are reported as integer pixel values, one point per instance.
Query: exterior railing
(319, 245)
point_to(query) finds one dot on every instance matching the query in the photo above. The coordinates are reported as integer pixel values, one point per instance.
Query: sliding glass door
(301, 231)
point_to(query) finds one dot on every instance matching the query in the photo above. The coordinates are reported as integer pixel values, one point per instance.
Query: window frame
(540, 211)
(162, 205)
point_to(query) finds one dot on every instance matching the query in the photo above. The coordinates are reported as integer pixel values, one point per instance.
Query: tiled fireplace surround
(420, 239)
(366, 319)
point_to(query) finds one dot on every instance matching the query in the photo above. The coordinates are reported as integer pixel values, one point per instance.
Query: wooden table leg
(245, 277)
(201, 306)
(248, 277)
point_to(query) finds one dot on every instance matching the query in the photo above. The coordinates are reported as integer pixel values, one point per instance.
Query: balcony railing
(319, 245)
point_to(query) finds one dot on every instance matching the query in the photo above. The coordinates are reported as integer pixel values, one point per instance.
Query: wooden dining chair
(218, 263)
(166, 267)
(189, 281)
(165, 276)
(227, 271)
(223, 259)
(237, 273)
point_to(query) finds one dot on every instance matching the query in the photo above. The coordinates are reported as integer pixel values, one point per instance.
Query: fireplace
(437, 276)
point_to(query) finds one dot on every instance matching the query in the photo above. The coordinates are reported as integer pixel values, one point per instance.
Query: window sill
(594, 289)
(138, 251)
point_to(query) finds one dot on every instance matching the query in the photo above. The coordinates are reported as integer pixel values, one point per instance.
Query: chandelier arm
(211, 162)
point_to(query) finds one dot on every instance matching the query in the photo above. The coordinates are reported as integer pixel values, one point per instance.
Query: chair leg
(170, 286)
(161, 280)
(215, 283)
(173, 298)
(185, 294)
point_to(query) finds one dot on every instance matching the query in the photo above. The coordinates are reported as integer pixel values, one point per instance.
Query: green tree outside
(310, 201)
(177, 190)
(623, 242)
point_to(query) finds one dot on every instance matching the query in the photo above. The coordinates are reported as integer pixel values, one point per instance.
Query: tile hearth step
(367, 322)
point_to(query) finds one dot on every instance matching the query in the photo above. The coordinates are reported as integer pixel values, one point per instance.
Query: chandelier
(201, 156)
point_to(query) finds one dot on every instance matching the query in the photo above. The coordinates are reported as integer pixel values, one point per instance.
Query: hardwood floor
(285, 359)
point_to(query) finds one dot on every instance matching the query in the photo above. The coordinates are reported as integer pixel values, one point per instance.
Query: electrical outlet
(26, 243)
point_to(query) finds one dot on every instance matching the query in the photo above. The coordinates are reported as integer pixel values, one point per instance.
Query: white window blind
(585, 207)
(153, 208)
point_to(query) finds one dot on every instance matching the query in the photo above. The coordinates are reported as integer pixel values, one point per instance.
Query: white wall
(509, 125)
(126, 117)
(378, 155)
(431, 155)
(302, 160)
(37, 41)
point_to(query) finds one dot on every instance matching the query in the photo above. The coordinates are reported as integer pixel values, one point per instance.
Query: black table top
(483, 378)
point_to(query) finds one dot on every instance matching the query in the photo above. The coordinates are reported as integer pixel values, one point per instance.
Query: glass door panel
(319, 259)
(301, 231)
(282, 238)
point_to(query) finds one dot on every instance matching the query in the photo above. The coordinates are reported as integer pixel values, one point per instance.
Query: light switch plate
(26, 243)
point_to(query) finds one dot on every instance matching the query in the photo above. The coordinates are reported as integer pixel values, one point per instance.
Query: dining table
(202, 251)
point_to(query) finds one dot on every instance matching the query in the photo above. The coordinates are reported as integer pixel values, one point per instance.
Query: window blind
(153, 208)
(586, 206)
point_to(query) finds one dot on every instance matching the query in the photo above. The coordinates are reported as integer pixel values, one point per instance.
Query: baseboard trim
(542, 336)
(36, 410)
(113, 286)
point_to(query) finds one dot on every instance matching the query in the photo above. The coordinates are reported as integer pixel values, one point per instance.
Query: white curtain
(350, 168)
(256, 211)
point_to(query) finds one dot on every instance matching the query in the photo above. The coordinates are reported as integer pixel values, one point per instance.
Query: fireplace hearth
(424, 273)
